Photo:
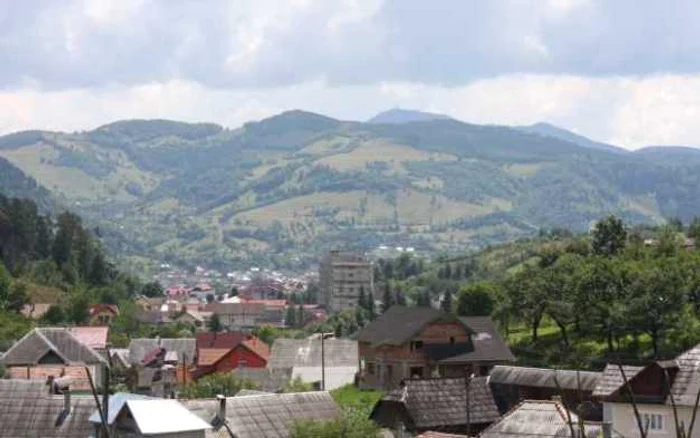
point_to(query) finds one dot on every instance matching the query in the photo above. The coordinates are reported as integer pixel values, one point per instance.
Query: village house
(197, 318)
(238, 316)
(656, 387)
(224, 352)
(511, 385)
(103, 314)
(437, 405)
(35, 310)
(259, 415)
(53, 352)
(303, 356)
(162, 364)
(420, 342)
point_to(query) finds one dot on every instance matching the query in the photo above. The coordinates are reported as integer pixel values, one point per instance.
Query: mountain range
(281, 190)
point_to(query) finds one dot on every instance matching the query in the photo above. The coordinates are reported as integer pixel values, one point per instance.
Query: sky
(625, 72)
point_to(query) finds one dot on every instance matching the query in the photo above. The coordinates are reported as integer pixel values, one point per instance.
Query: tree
(298, 385)
(214, 325)
(5, 282)
(694, 230)
(400, 297)
(362, 299)
(476, 299)
(54, 315)
(79, 306)
(301, 316)
(388, 299)
(351, 424)
(290, 318)
(152, 290)
(210, 386)
(17, 297)
(446, 303)
(609, 236)
(210, 298)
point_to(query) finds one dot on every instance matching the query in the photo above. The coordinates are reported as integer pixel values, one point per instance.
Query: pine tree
(290, 318)
(214, 324)
(301, 316)
(371, 306)
(400, 297)
(362, 300)
(388, 300)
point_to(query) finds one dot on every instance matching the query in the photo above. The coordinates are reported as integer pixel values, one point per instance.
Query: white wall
(624, 421)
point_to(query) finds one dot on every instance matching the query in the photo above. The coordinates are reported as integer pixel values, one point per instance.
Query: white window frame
(656, 421)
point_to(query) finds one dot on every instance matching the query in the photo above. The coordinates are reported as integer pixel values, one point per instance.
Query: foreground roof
(538, 419)
(488, 343)
(163, 416)
(399, 324)
(268, 415)
(116, 403)
(686, 385)
(544, 378)
(39, 342)
(433, 403)
(307, 352)
(185, 347)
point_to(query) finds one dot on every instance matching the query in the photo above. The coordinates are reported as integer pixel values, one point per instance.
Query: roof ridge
(51, 345)
(90, 349)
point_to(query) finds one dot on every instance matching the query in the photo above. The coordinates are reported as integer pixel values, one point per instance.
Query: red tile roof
(220, 340)
(258, 347)
(151, 355)
(210, 356)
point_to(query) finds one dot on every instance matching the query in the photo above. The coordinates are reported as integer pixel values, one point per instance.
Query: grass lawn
(352, 397)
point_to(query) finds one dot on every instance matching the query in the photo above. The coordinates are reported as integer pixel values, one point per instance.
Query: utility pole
(467, 383)
(107, 368)
(323, 362)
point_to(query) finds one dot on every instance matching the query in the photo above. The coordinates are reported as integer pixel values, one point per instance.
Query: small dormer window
(416, 345)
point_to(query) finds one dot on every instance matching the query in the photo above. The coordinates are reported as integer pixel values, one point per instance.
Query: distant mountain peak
(398, 116)
(549, 130)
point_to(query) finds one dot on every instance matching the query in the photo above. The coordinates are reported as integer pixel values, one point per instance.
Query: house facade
(419, 342)
(656, 388)
(103, 314)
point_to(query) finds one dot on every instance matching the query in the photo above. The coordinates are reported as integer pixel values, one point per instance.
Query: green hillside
(283, 189)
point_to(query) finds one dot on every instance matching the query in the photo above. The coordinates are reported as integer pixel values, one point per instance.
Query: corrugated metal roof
(538, 418)
(162, 416)
(544, 378)
(14, 388)
(307, 353)
(612, 380)
(336, 376)
(40, 341)
(116, 402)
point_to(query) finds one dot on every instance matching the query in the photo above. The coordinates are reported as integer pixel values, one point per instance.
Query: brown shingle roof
(544, 378)
(489, 345)
(612, 380)
(432, 403)
(41, 341)
(399, 324)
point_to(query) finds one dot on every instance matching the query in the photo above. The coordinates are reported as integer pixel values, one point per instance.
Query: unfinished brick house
(420, 342)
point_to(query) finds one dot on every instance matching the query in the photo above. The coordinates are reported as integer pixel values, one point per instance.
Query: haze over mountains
(281, 190)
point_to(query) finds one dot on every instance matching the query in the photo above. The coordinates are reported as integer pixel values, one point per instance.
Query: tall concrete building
(342, 276)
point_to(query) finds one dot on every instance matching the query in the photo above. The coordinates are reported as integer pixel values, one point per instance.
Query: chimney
(66, 400)
(222, 406)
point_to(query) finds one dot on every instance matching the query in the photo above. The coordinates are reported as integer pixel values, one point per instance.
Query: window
(370, 368)
(416, 345)
(416, 372)
(653, 421)
(389, 371)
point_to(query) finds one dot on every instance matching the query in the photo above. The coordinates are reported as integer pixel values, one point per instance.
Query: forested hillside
(568, 300)
(279, 191)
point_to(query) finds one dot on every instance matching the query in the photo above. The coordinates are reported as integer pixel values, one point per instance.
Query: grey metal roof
(40, 341)
(266, 416)
(687, 381)
(538, 419)
(544, 378)
(439, 403)
(399, 324)
(185, 347)
(116, 402)
(13, 388)
(307, 353)
(268, 380)
(31, 417)
(489, 345)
